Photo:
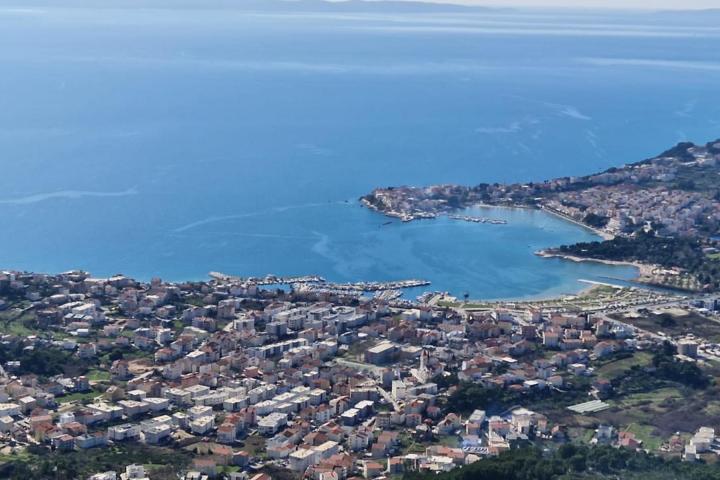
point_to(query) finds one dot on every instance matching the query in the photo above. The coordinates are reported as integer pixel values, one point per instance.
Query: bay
(174, 141)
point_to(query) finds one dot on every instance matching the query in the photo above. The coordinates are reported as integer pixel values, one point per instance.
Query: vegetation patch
(38, 463)
(669, 252)
(574, 462)
(675, 325)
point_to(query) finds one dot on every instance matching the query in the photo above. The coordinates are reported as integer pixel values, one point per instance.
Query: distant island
(662, 214)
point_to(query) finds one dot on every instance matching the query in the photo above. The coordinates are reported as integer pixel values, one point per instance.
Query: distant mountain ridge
(269, 5)
(397, 6)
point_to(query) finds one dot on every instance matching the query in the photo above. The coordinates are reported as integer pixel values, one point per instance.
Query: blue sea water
(173, 141)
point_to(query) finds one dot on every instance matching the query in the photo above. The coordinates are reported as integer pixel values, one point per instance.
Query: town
(233, 380)
(661, 215)
(677, 192)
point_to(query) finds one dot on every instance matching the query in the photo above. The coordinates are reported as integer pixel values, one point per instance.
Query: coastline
(592, 286)
(644, 269)
(601, 233)
(409, 217)
(499, 205)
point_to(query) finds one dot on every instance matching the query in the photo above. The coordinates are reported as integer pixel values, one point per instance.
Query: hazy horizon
(626, 5)
(613, 4)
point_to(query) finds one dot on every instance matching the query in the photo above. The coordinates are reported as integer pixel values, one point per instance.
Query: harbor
(471, 219)
(267, 280)
(389, 290)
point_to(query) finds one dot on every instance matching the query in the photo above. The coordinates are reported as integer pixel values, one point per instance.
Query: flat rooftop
(589, 407)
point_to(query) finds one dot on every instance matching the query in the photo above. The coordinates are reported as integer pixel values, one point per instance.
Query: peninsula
(662, 213)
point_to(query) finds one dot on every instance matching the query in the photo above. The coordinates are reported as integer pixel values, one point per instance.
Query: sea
(171, 139)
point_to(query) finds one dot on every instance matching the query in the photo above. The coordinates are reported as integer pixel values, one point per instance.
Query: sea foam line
(67, 194)
(239, 216)
(650, 62)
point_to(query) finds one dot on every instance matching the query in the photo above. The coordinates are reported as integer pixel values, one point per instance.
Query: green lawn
(39, 462)
(78, 396)
(409, 445)
(647, 433)
(21, 455)
(98, 375)
(581, 434)
(617, 368)
(652, 398)
(668, 409)
(228, 469)
(254, 445)
(12, 324)
(445, 303)
(452, 441)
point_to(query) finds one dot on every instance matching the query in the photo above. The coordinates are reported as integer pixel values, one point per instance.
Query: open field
(675, 323)
(653, 415)
(162, 463)
(595, 297)
(616, 368)
(98, 375)
(78, 396)
(14, 322)
(254, 445)
(647, 434)
(664, 411)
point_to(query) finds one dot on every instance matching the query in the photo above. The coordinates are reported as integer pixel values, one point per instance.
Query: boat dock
(268, 279)
(318, 283)
(468, 218)
(378, 286)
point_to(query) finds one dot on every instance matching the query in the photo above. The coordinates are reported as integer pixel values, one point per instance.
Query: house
(92, 440)
(604, 434)
(449, 424)
(628, 440)
(156, 432)
(205, 466)
(132, 408)
(551, 339)
(226, 433)
(602, 349)
(63, 442)
(9, 409)
(301, 459)
(372, 469)
(396, 466)
(202, 425)
(134, 472)
(124, 432)
(6, 424)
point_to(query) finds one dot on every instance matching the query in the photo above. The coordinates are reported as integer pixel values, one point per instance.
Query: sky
(625, 4)
(610, 4)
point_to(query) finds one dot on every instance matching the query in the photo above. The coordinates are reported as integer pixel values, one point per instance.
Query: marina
(390, 290)
(377, 286)
(469, 218)
(388, 295)
(267, 280)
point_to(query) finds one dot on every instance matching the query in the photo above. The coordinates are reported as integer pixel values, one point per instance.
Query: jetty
(378, 286)
(391, 290)
(317, 283)
(267, 280)
(388, 295)
(468, 218)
